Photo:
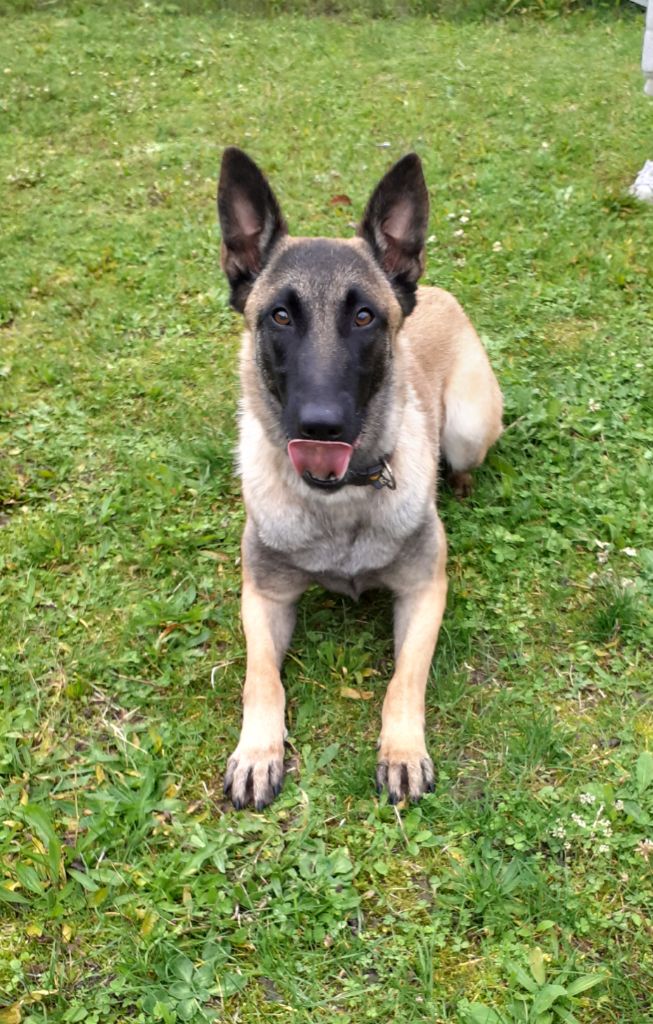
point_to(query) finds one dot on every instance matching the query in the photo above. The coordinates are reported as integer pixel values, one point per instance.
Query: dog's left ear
(250, 220)
(395, 224)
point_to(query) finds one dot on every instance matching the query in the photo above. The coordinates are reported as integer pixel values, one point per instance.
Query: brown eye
(363, 317)
(281, 317)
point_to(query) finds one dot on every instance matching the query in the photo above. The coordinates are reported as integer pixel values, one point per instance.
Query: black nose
(320, 422)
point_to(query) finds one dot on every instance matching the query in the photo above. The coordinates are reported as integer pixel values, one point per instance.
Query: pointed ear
(250, 220)
(394, 226)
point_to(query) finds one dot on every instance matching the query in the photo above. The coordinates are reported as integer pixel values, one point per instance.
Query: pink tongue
(322, 459)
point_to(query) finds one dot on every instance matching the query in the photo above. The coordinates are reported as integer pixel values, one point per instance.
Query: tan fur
(437, 396)
(444, 395)
(453, 378)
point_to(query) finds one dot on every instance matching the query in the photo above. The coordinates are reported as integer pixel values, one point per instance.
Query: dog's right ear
(250, 220)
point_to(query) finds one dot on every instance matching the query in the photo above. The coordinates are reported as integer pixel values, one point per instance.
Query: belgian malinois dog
(355, 383)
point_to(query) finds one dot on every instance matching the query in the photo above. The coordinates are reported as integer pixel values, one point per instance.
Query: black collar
(379, 475)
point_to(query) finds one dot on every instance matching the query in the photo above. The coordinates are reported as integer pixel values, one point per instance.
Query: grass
(129, 891)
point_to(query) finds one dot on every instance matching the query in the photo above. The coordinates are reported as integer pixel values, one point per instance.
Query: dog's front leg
(255, 769)
(404, 765)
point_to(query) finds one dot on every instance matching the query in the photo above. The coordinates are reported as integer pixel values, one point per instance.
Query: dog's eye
(364, 317)
(281, 316)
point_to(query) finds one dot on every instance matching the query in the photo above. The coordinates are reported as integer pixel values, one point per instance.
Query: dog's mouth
(324, 461)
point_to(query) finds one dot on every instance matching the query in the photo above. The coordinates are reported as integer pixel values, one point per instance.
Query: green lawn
(129, 890)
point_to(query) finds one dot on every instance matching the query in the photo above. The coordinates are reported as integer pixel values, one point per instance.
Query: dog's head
(323, 313)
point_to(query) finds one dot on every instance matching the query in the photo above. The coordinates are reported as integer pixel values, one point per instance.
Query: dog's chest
(344, 545)
(354, 548)
(350, 539)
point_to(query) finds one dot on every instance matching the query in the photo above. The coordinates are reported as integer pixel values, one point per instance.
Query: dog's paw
(254, 776)
(404, 773)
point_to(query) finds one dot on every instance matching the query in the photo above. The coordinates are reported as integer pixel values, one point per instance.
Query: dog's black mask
(322, 341)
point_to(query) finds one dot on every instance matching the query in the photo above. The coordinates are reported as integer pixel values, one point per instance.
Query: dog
(354, 384)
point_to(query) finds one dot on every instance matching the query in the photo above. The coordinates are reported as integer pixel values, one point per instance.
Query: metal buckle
(386, 477)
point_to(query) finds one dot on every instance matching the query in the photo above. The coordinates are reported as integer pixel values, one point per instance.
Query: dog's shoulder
(435, 338)
(435, 330)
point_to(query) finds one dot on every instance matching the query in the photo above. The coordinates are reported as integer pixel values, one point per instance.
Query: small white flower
(618, 805)
(459, 233)
(463, 219)
(645, 848)
(593, 405)
(451, 216)
(630, 552)
(545, 145)
(567, 846)
(497, 247)
(431, 238)
(577, 820)
(587, 798)
(604, 848)
(558, 832)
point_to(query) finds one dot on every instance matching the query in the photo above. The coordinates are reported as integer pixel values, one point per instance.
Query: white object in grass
(642, 187)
